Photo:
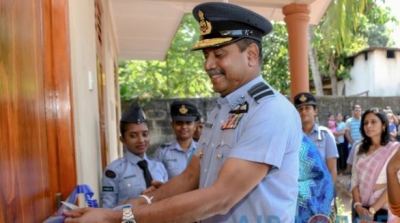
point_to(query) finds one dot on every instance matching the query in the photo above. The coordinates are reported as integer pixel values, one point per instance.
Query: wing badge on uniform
(241, 108)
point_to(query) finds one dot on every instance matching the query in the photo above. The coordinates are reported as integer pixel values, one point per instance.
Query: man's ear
(252, 54)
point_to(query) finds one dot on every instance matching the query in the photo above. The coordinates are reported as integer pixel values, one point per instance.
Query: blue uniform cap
(183, 111)
(304, 98)
(133, 114)
(224, 23)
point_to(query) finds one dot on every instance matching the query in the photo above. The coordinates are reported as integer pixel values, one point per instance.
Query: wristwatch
(127, 216)
(372, 210)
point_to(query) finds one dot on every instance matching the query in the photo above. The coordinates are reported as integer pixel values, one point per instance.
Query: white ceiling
(145, 29)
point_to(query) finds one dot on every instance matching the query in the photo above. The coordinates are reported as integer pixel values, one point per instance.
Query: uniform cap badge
(183, 110)
(205, 26)
(303, 98)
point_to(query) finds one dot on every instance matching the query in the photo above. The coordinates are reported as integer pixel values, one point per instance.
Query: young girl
(332, 123)
(127, 177)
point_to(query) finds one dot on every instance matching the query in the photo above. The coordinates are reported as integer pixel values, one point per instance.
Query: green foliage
(180, 75)
(276, 58)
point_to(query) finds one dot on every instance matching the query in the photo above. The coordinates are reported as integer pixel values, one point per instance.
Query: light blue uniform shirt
(123, 179)
(269, 132)
(174, 158)
(325, 141)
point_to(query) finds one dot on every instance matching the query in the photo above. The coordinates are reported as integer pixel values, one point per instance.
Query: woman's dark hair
(122, 127)
(366, 141)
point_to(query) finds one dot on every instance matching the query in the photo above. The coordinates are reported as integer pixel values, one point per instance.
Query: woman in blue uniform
(127, 177)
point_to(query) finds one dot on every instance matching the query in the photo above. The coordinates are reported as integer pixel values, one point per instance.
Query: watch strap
(127, 216)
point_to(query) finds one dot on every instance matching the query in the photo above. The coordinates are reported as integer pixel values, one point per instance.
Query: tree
(180, 75)
(335, 43)
(275, 52)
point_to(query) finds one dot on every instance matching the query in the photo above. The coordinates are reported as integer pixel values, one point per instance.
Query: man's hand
(88, 215)
(154, 186)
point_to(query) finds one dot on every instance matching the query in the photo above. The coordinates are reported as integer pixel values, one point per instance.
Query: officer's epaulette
(259, 91)
(114, 164)
(324, 129)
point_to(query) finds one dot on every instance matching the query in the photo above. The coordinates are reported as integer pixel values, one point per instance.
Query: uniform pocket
(130, 188)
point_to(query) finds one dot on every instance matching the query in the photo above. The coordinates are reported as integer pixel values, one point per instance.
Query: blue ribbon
(58, 217)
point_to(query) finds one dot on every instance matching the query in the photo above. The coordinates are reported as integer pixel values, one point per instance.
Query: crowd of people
(256, 157)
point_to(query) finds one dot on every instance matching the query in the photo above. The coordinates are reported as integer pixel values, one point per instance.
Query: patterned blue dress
(315, 184)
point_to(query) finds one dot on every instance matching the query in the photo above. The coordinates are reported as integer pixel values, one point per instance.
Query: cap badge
(303, 98)
(183, 110)
(205, 26)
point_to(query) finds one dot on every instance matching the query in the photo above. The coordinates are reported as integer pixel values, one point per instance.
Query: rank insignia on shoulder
(110, 174)
(241, 108)
(260, 90)
(108, 189)
(233, 121)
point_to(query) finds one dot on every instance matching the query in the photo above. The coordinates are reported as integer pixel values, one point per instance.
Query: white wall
(85, 99)
(378, 75)
(112, 98)
(387, 74)
(360, 75)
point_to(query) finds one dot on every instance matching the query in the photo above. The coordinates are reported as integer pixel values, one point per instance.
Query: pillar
(297, 19)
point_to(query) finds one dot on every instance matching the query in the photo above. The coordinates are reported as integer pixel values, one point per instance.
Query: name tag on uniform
(108, 189)
(171, 160)
(233, 121)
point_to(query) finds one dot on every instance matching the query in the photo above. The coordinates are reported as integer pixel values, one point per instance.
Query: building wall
(377, 75)
(86, 92)
(360, 76)
(387, 74)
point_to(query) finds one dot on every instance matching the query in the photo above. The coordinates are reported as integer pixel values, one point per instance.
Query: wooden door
(36, 128)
